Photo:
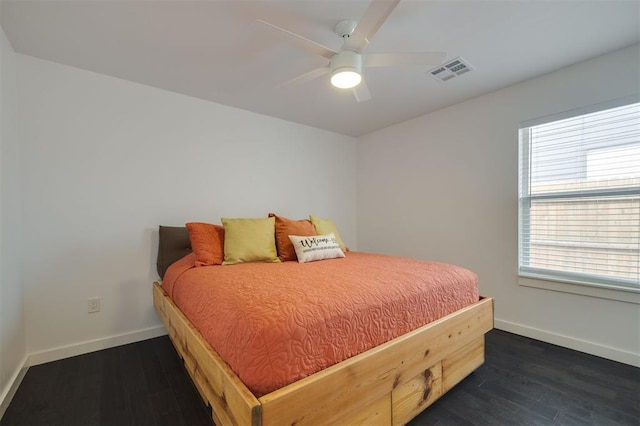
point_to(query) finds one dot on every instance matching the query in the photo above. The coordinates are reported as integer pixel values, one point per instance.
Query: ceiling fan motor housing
(346, 59)
(346, 68)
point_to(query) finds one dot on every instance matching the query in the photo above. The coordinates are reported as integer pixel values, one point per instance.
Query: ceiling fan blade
(402, 59)
(300, 41)
(373, 18)
(361, 92)
(308, 76)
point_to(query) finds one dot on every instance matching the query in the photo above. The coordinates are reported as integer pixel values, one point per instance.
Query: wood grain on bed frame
(387, 385)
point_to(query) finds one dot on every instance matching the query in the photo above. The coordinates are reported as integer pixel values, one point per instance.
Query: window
(579, 194)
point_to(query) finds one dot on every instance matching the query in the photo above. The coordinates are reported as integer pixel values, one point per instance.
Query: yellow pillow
(326, 226)
(249, 240)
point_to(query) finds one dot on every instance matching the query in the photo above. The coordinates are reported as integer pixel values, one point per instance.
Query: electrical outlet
(93, 305)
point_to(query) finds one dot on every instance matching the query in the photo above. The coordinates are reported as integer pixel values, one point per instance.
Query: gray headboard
(173, 244)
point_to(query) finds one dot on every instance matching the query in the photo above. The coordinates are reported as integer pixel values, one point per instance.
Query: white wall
(444, 186)
(12, 326)
(106, 161)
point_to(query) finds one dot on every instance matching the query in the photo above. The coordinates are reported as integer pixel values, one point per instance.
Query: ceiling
(215, 49)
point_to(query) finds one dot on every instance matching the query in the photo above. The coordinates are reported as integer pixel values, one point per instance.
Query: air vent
(451, 69)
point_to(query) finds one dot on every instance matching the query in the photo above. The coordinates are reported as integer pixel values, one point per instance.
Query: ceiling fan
(345, 65)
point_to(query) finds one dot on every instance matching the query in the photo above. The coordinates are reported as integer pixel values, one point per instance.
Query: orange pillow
(284, 228)
(207, 242)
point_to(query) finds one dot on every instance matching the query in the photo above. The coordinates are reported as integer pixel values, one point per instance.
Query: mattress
(275, 323)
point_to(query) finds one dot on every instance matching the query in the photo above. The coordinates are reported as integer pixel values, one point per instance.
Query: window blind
(579, 194)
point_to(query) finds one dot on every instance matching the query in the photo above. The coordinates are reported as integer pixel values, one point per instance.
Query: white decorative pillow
(316, 247)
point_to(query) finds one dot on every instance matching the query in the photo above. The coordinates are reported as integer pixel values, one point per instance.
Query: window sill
(602, 292)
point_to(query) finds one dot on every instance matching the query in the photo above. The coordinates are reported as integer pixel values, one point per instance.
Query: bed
(388, 384)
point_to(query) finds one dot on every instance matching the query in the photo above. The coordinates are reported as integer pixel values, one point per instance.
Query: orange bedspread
(275, 323)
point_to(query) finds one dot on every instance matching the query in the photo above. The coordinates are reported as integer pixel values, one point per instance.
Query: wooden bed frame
(387, 385)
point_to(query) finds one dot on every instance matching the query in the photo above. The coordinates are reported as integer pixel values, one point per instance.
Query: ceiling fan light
(346, 78)
(345, 69)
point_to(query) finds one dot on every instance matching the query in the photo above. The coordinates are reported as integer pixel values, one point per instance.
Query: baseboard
(95, 345)
(570, 342)
(10, 389)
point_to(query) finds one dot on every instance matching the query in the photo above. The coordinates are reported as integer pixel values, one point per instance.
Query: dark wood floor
(523, 382)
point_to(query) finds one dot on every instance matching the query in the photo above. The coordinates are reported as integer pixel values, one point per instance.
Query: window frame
(565, 281)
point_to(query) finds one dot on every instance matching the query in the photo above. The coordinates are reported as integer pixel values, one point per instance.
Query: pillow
(173, 244)
(326, 226)
(313, 248)
(207, 242)
(249, 240)
(286, 227)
